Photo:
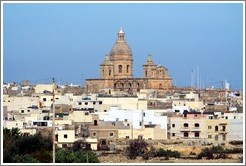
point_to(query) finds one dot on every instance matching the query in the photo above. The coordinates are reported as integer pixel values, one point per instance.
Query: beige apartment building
(198, 126)
(150, 132)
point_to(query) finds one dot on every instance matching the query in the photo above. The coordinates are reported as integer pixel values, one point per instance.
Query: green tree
(34, 148)
(9, 138)
(23, 159)
(80, 156)
(137, 148)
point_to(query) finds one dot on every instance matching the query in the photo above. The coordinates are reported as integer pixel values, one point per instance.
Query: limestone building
(117, 72)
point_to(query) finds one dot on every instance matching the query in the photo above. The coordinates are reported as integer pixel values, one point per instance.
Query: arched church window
(120, 68)
(127, 68)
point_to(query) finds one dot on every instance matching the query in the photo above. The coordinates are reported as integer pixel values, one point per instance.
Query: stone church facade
(117, 72)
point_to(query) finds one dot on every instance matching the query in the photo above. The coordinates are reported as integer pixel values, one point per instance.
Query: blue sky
(69, 41)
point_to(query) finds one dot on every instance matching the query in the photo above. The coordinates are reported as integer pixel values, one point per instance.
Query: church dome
(121, 47)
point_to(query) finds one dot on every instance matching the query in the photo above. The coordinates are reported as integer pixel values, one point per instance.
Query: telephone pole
(53, 123)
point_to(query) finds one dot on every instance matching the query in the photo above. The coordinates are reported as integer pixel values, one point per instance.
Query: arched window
(186, 125)
(216, 138)
(197, 134)
(216, 128)
(120, 68)
(137, 85)
(196, 124)
(109, 72)
(146, 73)
(127, 68)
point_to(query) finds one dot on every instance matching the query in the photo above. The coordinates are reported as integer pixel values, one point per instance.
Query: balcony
(190, 138)
(223, 132)
(185, 129)
(195, 128)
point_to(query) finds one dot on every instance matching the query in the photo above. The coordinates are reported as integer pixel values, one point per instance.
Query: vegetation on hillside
(18, 148)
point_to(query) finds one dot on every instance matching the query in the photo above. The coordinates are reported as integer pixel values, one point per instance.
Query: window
(100, 102)
(44, 99)
(196, 124)
(223, 128)
(109, 72)
(95, 122)
(197, 134)
(65, 136)
(216, 128)
(186, 125)
(86, 113)
(224, 137)
(22, 111)
(173, 125)
(127, 68)
(111, 134)
(120, 68)
(140, 123)
(146, 73)
(105, 110)
(79, 103)
(28, 110)
(125, 120)
(94, 134)
(86, 103)
(127, 137)
(144, 114)
(186, 134)
(216, 138)
(94, 102)
(226, 117)
(210, 136)
(209, 127)
(173, 134)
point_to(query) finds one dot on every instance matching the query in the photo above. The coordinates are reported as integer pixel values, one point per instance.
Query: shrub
(236, 142)
(23, 159)
(167, 153)
(206, 152)
(219, 150)
(136, 148)
(69, 156)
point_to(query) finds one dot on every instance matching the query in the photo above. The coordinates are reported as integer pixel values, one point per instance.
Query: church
(117, 72)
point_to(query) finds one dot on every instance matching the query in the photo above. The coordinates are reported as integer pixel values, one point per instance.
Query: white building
(135, 118)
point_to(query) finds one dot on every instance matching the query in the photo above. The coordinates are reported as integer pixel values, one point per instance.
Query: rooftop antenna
(197, 84)
(53, 123)
(192, 79)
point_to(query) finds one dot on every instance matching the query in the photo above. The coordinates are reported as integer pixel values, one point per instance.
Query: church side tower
(121, 57)
(148, 67)
(107, 68)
